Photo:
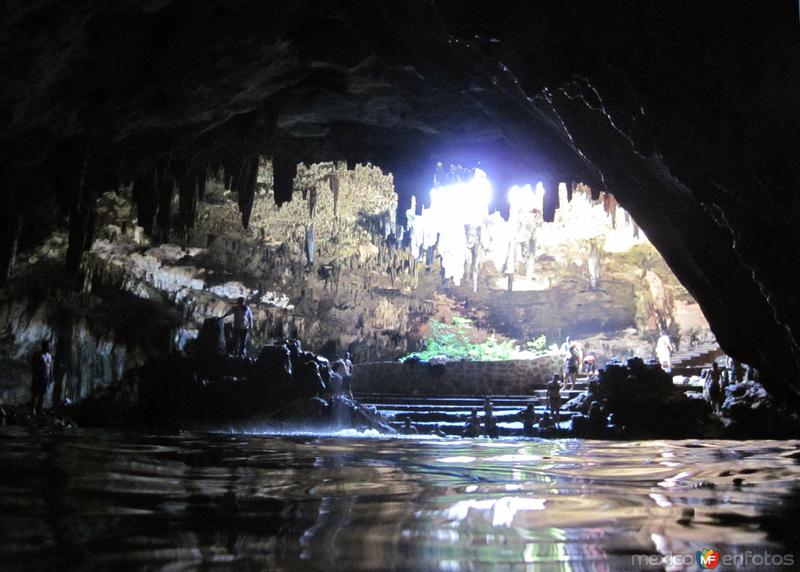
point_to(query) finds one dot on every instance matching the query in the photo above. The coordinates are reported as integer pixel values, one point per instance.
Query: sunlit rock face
(690, 119)
(334, 268)
(590, 270)
(320, 268)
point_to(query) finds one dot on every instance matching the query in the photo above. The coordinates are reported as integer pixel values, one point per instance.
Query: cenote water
(106, 500)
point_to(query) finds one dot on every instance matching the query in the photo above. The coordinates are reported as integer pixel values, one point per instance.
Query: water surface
(100, 500)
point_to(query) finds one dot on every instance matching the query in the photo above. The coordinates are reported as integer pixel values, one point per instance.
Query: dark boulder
(640, 401)
(176, 392)
(750, 412)
(211, 340)
(273, 361)
(311, 413)
(307, 380)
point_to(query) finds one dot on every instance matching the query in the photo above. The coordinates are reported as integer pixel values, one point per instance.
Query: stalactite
(284, 170)
(16, 232)
(188, 200)
(202, 179)
(334, 184)
(145, 195)
(247, 190)
(166, 191)
(63, 366)
(550, 200)
(81, 219)
(9, 234)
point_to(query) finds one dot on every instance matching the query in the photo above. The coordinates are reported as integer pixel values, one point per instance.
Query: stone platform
(477, 378)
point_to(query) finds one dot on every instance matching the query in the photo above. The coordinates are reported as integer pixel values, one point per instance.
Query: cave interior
(169, 108)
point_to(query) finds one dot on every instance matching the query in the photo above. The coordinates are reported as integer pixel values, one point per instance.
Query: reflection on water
(100, 500)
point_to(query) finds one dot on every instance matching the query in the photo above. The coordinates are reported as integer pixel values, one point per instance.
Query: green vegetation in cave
(460, 339)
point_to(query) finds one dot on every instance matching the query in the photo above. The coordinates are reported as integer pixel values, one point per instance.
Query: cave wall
(94, 339)
(330, 268)
(357, 292)
(687, 112)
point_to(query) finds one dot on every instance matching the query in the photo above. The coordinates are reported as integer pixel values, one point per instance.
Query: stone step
(458, 399)
(690, 357)
(504, 429)
(459, 418)
(448, 407)
(449, 413)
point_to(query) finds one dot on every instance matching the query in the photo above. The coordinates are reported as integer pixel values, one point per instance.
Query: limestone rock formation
(285, 388)
(690, 119)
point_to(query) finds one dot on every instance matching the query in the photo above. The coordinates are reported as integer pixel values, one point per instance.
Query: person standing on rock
(714, 393)
(554, 395)
(340, 369)
(242, 324)
(41, 376)
(348, 363)
(571, 365)
(664, 349)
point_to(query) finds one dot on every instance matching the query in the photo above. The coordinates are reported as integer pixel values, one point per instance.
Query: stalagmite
(312, 202)
(201, 184)
(309, 245)
(334, 184)
(64, 366)
(228, 177)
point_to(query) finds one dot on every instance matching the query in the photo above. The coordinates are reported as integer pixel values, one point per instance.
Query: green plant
(455, 341)
(538, 345)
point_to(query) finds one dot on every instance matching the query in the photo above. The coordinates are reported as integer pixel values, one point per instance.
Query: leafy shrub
(455, 342)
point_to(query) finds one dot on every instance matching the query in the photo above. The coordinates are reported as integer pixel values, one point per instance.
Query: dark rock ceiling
(686, 111)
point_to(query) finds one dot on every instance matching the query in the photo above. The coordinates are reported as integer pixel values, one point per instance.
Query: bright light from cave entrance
(465, 202)
(525, 199)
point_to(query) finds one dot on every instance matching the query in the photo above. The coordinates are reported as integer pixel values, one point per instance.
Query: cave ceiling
(686, 111)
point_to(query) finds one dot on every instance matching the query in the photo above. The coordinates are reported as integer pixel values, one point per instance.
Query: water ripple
(95, 499)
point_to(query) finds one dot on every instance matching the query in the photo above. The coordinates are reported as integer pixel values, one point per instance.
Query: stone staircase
(692, 361)
(450, 412)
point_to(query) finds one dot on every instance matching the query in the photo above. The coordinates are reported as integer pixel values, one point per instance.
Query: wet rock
(274, 361)
(641, 402)
(20, 415)
(750, 412)
(211, 340)
(687, 516)
(208, 391)
(308, 413)
(307, 375)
